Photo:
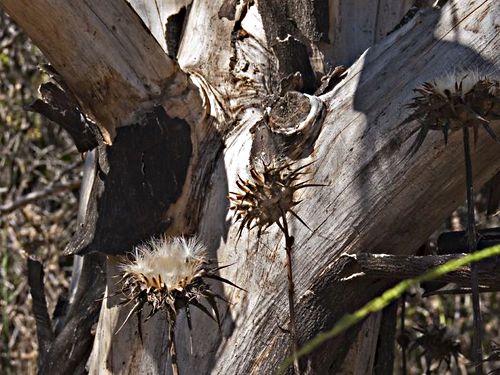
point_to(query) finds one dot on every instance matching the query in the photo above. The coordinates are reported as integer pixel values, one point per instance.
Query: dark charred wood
(288, 38)
(293, 56)
(58, 107)
(311, 18)
(137, 180)
(44, 331)
(173, 32)
(74, 343)
(456, 242)
(59, 313)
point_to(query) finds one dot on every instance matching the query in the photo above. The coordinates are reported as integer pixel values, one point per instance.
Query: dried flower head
(494, 356)
(438, 344)
(268, 195)
(169, 274)
(454, 101)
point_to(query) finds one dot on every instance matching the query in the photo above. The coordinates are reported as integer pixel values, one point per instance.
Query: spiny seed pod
(169, 275)
(438, 343)
(267, 195)
(457, 100)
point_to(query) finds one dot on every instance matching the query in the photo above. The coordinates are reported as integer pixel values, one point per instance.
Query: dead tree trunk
(188, 94)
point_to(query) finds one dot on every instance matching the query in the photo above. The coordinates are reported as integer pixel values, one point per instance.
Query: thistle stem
(291, 291)
(477, 352)
(172, 349)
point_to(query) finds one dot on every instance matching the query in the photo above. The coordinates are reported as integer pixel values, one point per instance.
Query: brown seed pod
(266, 196)
(438, 344)
(169, 275)
(457, 100)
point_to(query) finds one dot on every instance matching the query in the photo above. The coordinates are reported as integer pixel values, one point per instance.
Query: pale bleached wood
(155, 13)
(206, 50)
(355, 25)
(376, 199)
(102, 50)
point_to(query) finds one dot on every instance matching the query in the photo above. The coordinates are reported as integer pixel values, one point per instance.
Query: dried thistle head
(439, 344)
(267, 195)
(454, 101)
(169, 275)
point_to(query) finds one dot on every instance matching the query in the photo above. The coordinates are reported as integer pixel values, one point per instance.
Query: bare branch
(37, 195)
(400, 267)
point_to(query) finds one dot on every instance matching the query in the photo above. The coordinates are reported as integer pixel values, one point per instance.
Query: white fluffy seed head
(449, 82)
(175, 260)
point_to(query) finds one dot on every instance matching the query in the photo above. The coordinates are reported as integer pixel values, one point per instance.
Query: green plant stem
(477, 352)
(291, 291)
(386, 298)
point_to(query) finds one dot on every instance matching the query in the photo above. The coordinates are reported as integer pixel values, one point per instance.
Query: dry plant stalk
(169, 275)
(460, 100)
(263, 200)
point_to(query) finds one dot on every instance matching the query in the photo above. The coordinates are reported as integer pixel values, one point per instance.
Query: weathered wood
(58, 107)
(44, 331)
(399, 267)
(373, 187)
(159, 17)
(108, 59)
(384, 360)
(70, 350)
(356, 25)
(361, 155)
(360, 358)
(137, 178)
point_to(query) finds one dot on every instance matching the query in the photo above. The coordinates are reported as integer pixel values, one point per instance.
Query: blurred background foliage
(35, 153)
